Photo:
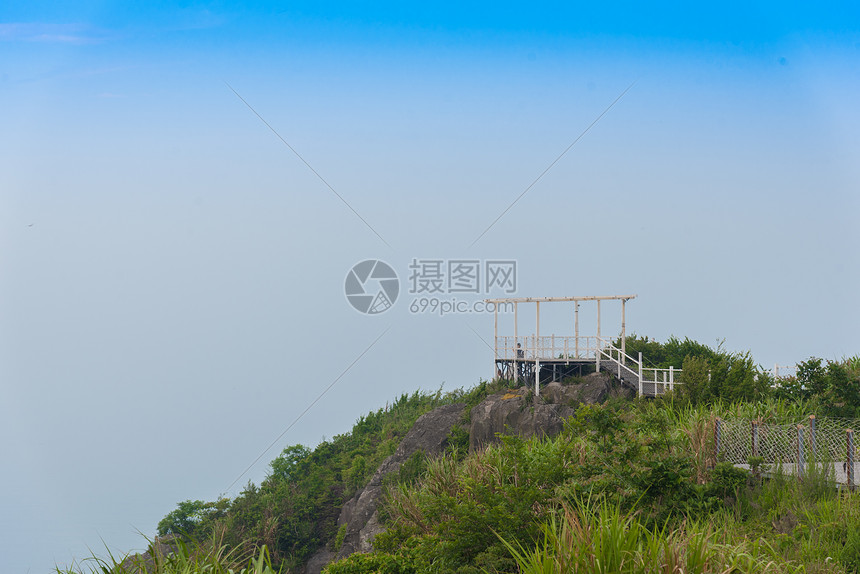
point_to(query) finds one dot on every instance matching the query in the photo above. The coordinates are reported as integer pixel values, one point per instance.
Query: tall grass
(599, 539)
(178, 557)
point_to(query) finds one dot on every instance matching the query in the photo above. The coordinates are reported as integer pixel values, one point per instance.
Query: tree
(695, 380)
(844, 387)
(812, 377)
(288, 463)
(189, 517)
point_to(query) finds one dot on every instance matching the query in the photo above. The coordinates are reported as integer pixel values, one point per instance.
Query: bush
(727, 480)
(374, 563)
(192, 518)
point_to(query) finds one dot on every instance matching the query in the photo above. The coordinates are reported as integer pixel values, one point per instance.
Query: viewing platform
(544, 358)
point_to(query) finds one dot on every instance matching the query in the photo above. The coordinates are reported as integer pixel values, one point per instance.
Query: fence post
(718, 431)
(849, 435)
(813, 440)
(640, 376)
(671, 378)
(754, 438)
(597, 344)
(801, 463)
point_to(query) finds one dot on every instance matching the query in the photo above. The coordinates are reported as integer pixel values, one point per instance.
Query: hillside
(495, 479)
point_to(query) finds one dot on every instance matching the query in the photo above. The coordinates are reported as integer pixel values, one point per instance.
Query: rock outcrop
(518, 412)
(429, 435)
(515, 411)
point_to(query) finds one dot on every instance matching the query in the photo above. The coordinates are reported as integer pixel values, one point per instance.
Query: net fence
(808, 440)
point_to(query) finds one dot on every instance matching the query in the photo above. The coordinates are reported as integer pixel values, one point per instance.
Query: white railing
(650, 380)
(663, 379)
(784, 371)
(546, 347)
(657, 380)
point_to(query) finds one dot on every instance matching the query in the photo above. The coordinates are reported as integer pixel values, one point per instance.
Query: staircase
(632, 373)
(622, 372)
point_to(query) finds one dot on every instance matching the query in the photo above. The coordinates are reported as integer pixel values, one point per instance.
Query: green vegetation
(628, 486)
(211, 557)
(832, 388)
(294, 511)
(835, 384)
(637, 493)
(591, 538)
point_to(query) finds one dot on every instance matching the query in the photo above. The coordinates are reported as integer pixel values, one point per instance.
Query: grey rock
(429, 435)
(518, 412)
(594, 388)
(515, 411)
(319, 560)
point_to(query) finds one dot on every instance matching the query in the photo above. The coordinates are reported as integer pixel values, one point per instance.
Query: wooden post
(801, 459)
(640, 376)
(754, 438)
(813, 439)
(576, 325)
(537, 377)
(623, 328)
(517, 364)
(598, 318)
(849, 436)
(537, 328)
(495, 337)
(671, 378)
(718, 431)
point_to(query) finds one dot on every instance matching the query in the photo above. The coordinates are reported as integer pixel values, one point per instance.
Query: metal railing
(651, 381)
(546, 347)
(783, 371)
(656, 380)
(665, 378)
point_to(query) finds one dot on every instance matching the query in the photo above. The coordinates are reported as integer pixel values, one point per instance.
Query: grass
(178, 557)
(659, 503)
(590, 538)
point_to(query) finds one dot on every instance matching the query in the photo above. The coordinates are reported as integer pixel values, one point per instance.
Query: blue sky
(171, 295)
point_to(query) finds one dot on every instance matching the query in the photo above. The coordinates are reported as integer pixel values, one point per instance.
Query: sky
(184, 189)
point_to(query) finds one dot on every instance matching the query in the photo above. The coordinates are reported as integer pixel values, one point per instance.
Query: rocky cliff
(519, 412)
(429, 434)
(513, 411)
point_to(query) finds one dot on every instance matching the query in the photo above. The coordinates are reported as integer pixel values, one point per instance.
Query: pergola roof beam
(560, 299)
